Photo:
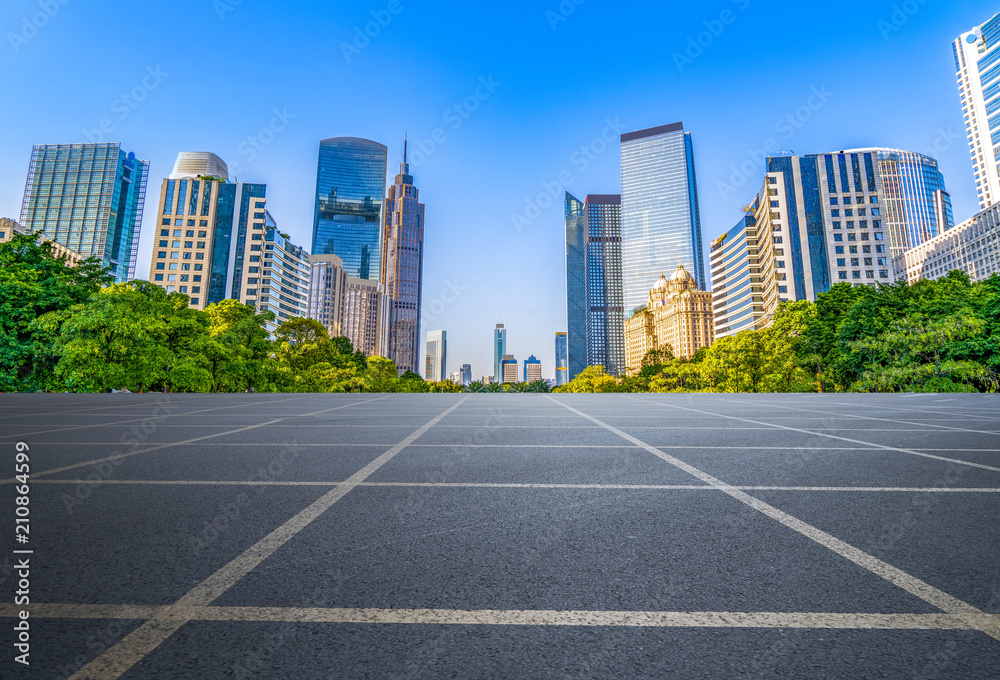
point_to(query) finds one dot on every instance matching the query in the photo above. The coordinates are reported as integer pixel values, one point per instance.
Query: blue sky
(210, 75)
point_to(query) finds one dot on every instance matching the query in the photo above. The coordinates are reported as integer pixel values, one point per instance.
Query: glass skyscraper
(661, 223)
(605, 313)
(402, 269)
(915, 205)
(499, 351)
(576, 285)
(350, 189)
(88, 198)
(435, 366)
(562, 360)
(977, 65)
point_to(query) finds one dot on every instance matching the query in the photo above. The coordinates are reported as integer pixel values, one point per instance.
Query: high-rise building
(973, 247)
(532, 369)
(562, 360)
(466, 374)
(348, 307)
(605, 315)
(435, 366)
(915, 205)
(499, 351)
(350, 189)
(976, 63)
(508, 369)
(678, 316)
(661, 222)
(402, 268)
(89, 199)
(576, 285)
(281, 285)
(744, 288)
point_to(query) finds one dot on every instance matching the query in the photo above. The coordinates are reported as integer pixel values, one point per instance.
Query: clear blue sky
(226, 65)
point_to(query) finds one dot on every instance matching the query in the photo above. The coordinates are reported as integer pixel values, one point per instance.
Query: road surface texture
(518, 536)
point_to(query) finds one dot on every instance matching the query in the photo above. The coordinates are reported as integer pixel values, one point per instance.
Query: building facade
(677, 315)
(362, 315)
(973, 247)
(88, 198)
(436, 362)
(281, 284)
(576, 286)
(977, 66)
(605, 313)
(499, 351)
(562, 359)
(465, 374)
(350, 189)
(402, 268)
(508, 369)
(661, 222)
(10, 228)
(326, 292)
(532, 369)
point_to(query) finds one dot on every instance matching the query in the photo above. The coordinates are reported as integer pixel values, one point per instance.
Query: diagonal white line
(980, 620)
(132, 648)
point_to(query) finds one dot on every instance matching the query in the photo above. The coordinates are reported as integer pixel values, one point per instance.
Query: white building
(435, 365)
(977, 61)
(973, 246)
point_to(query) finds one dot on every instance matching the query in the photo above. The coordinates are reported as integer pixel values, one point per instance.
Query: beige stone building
(678, 315)
(10, 228)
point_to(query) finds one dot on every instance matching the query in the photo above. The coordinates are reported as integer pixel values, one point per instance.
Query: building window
(841, 262)
(883, 274)
(161, 265)
(835, 213)
(838, 237)
(836, 225)
(843, 276)
(854, 262)
(855, 275)
(158, 277)
(869, 274)
(834, 200)
(839, 249)
(878, 235)
(194, 301)
(851, 237)
(161, 254)
(166, 222)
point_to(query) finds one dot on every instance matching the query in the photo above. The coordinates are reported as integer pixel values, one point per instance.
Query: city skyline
(803, 110)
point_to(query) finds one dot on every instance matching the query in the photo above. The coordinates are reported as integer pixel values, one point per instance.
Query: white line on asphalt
(133, 647)
(976, 618)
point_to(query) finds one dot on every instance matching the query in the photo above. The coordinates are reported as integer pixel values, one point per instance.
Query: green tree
(381, 376)
(590, 380)
(239, 351)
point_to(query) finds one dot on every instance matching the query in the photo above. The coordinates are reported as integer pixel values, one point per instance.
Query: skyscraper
(576, 285)
(402, 268)
(466, 374)
(532, 369)
(350, 189)
(88, 198)
(976, 58)
(661, 222)
(605, 313)
(435, 366)
(348, 307)
(499, 351)
(508, 369)
(562, 360)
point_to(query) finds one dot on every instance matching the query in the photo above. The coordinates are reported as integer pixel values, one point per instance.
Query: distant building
(532, 369)
(435, 366)
(499, 350)
(362, 315)
(508, 369)
(10, 228)
(562, 359)
(576, 285)
(88, 198)
(976, 55)
(282, 286)
(350, 189)
(973, 247)
(326, 292)
(465, 374)
(677, 315)
(661, 221)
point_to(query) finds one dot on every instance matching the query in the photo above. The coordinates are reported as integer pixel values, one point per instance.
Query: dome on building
(661, 284)
(682, 275)
(192, 164)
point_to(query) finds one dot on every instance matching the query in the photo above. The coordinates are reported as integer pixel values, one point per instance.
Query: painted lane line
(976, 618)
(136, 645)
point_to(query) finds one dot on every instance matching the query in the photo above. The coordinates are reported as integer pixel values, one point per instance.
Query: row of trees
(933, 336)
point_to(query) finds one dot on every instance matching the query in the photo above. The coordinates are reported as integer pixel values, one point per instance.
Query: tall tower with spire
(402, 269)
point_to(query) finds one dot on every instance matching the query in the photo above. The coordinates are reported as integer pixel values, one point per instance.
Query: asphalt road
(516, 536)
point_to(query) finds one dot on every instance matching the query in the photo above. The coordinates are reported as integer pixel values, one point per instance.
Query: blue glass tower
(661, 222)
(576, 286)
(350, 189)
(88, 198)
(499, 351)
(605, 313)
(562, 360)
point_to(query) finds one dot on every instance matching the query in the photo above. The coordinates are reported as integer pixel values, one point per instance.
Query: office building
(466, 374)
(576, 286)
(977, 65)
(661, 222)
(508, 369)
(402, 268)
(278, 283)
(362, 312)
(456, 378)
(605, 313)
(562, 359)
(10, 228)
(744, 287)
(499, 351)
(88, 198)
(350, 189)
(327, 281)
(435, 366)
(973, 247)
(677, 315)
(532, 369)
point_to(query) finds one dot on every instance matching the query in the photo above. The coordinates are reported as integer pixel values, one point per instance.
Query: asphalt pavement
(500, 536)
